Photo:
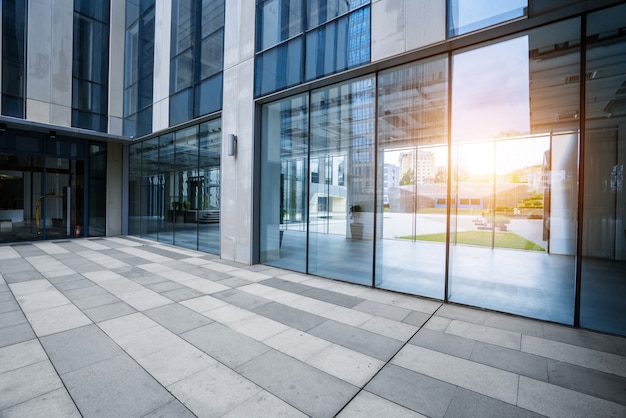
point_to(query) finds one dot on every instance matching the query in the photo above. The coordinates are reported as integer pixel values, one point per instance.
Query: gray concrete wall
(49, 58)
(161, 87)
(114, 188)
(117, 29)
(400, 26)
(237, 118)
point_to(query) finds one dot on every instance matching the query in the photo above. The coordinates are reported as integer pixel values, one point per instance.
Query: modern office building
(259, 130)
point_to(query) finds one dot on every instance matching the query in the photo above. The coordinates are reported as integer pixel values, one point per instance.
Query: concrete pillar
(238, 119)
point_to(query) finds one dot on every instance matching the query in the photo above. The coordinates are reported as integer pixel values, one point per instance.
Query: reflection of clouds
(490, 90)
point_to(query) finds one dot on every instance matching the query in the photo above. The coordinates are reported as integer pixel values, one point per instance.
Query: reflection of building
(391, 176)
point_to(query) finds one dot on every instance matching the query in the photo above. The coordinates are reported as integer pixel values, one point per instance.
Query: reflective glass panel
(412, 175)
(604, 205)
(279, 67)
(134, 189)
(284, 192)
(515, 172)
(152, 210)
(277, 21)
(205, 188)
(321, 11)
(13, 57)
(185, 204)
(469, 15)
(342, 181)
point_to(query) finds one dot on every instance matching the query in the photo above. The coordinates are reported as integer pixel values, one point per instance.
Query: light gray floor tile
(417, 319)
(390, 328)
(477, 377)
(52, 404)
(225, 345)
(241, 299)
(235, 282)
(264, 404)
(28, 382)
(116, 387)
(77, 348)
(503, 338)
(60, 318)
(214, 391)
(582, 338)
(365, 342)
(474, 316)
(383, 310)
(172, 409)
(175, 363)
(555, 401)
(22, 276)
(258, 327)
(511, 323)
(348, 365)
(177, 318)
(9, 306)
(366, 404)
(511, 360)
(297, 344)
(294, 382)
(445, 343)
(15, 356)
(164, 286)
(466, 403)
(85, 292)
(95, 301)
(414, 391)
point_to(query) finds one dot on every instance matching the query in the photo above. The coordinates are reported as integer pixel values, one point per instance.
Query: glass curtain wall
(342, 181)
(413, 160)
(174, 188)
(603, 286)
(90, 69)
(42, 188)
(197, 58)
(515, 173)
(138, 67)
(13, 57)
(469, 15)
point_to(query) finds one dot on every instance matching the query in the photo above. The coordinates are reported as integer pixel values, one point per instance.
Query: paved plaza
(125, 327)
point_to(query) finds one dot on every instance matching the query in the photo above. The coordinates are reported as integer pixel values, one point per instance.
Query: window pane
(284, 205)
(603, 288)
(278, 20)
(13, 61)
(182, 25)
(212, 55)
(279, 67)
(321, 11)
(208, 96)
(181, 107)
(182, 72)
(514, 174)
(341, 217)
(206, 189)
(413, 160)
(470, 15)
(212, 16)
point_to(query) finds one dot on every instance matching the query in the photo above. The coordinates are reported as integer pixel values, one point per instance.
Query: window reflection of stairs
(209, 217)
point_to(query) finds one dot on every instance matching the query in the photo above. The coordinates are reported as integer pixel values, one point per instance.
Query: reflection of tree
(441, 176)
(408, 178)
(462, 174)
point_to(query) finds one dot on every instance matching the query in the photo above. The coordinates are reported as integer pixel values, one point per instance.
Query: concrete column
(238, 119)
(114, 188)
(117, 28)
(49, 61)
(161, 87)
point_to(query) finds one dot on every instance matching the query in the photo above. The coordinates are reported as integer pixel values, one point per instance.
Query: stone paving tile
(22, 276)
(599, 384)
(122, 388)
(224, 344)
(297, 344)
(175, 363)
(16, 334)
(182, 294)
(28, 382)
(264, 404)
(57, 319)
(365, 342)
(291, 317)
(294, 382)
(348, 365)
(444, 343)
(389, 328)
(110, 311)
(11, 318)
(380, 309)
(258, 327)
(241, 299)
(466, 403)
(172, 409)
(15, 356)
(80, 347)
(56, 403)
(214, 391)
(165, 286)
(511, 360)
(423, 394)
(507, 339)
(496, 383)
(234, 282)
(177, 318)
(554, 401)
(368, 404)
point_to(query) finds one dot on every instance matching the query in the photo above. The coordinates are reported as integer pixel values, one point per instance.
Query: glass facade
(13, 57)
(197, 59)
(469, 15)
(138, 67)
(603, 286)
(44, 185)
(458, 179)
(174, 187)
(300, 40)
(90, 69)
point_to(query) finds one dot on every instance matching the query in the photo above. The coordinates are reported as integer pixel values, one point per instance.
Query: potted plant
(356, 227)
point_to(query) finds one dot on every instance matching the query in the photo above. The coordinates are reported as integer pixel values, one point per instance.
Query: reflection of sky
(472, 11)
(490, 91)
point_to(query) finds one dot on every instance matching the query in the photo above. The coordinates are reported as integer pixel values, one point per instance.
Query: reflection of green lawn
(483, 238)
